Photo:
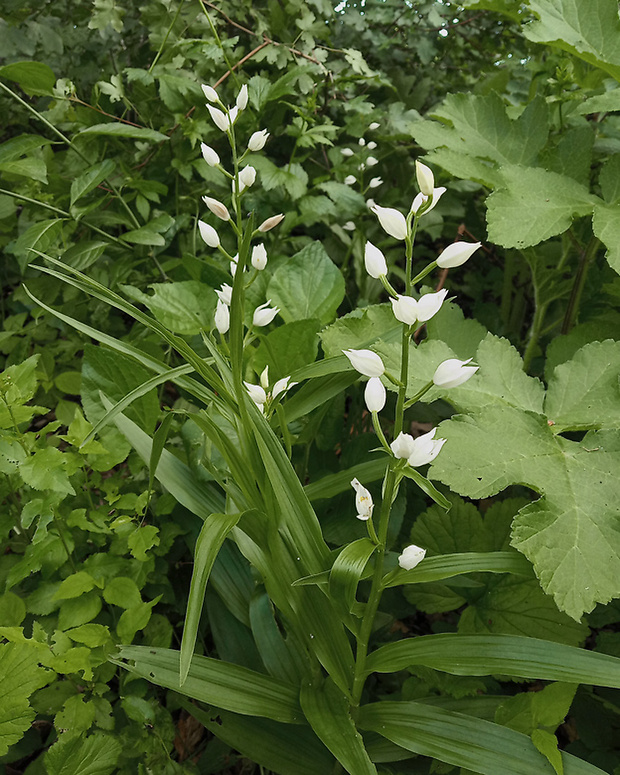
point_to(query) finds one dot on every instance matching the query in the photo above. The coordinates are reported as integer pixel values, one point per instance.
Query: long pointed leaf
(464, 741)
(223, 684)
(447, 565)
(212, 535)
(278, 747)
(347, 571)
(498, 654)
(328, 712)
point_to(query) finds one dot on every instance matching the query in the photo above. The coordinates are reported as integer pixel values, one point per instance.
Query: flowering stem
(390, 490)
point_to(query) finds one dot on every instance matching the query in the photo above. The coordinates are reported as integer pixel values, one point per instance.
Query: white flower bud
(217, 208)
(247, 176)
(259, 257)
(363, 501)
(257, 140)
(219, 119)
(371, 161)
(222, 317)
(392, 221)
(232, 115)
(362, 142)
(365, 362)
(424, 175)
(233, 264)
(371, 145)
(375, 395)
(456, 254)
(224, 294)
(347, 152)
(405, 309)
(430, 304)
(350, 180)
(375, 183)
(242, 98)
(420, 199)
(349, 226)
(264, 377)
(256, 393)
(208, 234)
(264, 314)
(209, 155)
(425, 449)
(452, 373)
(271, 223)
(374, 261)
(411, 556)
(370, 203)
(373, 126)
(402, 446)
(210, 93)
(361, 167)
(282, 386)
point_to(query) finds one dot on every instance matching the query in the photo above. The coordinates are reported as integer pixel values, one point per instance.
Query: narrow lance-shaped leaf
(447, 565)
(498, 654)
(328, 713)
(215, 682)
(464, 741)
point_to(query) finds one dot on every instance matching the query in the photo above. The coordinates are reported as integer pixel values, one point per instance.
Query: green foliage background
(515, 107)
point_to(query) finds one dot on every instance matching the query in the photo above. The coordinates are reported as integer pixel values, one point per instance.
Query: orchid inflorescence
(411, 312)
(243, 178)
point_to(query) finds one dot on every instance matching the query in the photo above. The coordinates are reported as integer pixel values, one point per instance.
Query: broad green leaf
(609, 177)
(516, 606)
(588, 29)
(329, 714)
(462, 335)
(278, 747)
(498, 655)
(76, 717)
(309, 285)
(20, 676)
(123, 592)
(287, 348)
(144, 236)
(90, 179)
(447, 565)
(464, 741)
(39, 236)
(584, 393)
(186, 307)
(294, 178)
(227, 686)
(569, 533)
(35, 169)
(97, 754)
(359, 329)
(123, 130)
(46, 469)
(510, 8)
(19, 146)
(347, 570)
(141, 540)
(605, 226)
(75, 585)
(84, 254)
(35, 78)
(479, 126)
(534, 205)
(212, 535)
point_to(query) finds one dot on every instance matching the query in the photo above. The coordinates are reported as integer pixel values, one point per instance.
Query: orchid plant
(314, 611)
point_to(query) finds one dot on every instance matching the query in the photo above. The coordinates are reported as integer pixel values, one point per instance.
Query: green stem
(166, 36)
(585, 261)
(539, 317)
(390, 490)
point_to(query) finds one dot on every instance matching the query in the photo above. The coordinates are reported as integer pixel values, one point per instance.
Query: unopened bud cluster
(364, 159)
(224, 119)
